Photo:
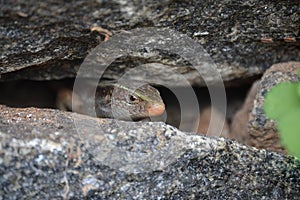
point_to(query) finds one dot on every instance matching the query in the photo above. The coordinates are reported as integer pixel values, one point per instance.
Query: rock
(205, 122)
(262, 131)
(50, 154)
(238, 128)
(49, 40)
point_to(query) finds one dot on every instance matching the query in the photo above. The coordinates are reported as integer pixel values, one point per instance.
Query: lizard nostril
(155, 109)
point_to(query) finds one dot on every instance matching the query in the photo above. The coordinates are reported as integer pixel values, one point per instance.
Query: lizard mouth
(155, 109)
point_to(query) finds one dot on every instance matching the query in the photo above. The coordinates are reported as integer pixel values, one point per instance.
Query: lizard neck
(103, 100)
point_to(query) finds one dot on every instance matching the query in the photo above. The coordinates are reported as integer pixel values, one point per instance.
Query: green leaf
(289, 129)
(298, 90)
(299, 84)
(281, 99)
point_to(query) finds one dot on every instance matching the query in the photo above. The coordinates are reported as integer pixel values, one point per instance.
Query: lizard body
(126, 100)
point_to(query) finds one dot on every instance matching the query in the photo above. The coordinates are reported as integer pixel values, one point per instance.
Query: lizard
(127, 100)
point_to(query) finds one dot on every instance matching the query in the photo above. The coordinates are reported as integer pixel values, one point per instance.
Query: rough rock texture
(48, 154)
(262, 131)
(44, 156)
(47, 40)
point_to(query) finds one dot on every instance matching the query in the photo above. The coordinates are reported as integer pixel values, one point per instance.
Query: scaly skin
(126, 100)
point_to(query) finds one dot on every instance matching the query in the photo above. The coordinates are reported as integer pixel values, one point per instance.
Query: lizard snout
(155, 109)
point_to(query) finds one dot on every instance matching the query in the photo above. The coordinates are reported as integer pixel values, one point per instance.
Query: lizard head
(138, 100)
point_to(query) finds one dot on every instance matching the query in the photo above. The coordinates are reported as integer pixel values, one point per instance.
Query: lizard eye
(133, 99)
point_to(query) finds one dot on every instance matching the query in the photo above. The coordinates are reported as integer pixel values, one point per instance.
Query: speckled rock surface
(50, 39)
(44, 156)
(262, 131)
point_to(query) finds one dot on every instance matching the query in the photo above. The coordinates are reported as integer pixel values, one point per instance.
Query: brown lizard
(130, 100)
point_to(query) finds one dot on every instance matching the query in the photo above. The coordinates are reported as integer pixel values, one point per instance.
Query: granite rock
(50, 154)
(262, 131)
(238, 128)
(50, 39)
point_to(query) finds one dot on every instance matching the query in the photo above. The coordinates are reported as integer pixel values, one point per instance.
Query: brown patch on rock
(205, 122)
(238, 129)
